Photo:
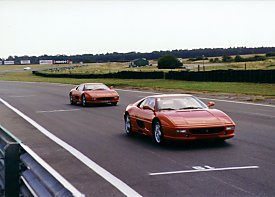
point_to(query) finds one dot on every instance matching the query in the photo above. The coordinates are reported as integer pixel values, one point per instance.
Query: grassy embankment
(267, 90)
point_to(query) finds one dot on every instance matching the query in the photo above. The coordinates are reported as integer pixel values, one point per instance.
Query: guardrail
(23, 173)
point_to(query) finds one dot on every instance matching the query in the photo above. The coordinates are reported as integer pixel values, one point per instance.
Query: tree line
(125, 57)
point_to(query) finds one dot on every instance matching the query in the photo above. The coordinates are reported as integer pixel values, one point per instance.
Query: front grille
(105, 98)
(206, 130)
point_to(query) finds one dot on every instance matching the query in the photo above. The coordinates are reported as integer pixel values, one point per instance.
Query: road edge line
(120, 185)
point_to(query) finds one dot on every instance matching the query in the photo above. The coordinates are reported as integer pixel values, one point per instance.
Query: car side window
(142, 103)
(149, 101)
(80, 88)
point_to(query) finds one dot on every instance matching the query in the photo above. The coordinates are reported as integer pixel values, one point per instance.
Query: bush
(227, 58)
(199, 58)
(270, 54)
(169, 62)
(238, 58)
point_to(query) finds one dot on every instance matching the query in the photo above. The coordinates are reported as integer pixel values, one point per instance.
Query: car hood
(197, 117)
(102, 93)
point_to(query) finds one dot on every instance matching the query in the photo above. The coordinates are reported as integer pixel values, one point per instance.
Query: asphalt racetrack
(97, 157)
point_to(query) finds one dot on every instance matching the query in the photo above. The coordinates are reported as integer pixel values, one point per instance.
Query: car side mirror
(76, 87)
(210, 104)
(146, 107)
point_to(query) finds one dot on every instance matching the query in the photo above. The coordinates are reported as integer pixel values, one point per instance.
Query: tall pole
(203, 62)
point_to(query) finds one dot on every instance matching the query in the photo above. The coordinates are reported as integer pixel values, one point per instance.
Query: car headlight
(116, 97)
(181, 130)
(229, 128)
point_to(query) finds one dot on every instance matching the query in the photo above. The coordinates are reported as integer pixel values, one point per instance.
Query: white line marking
(263, 115)
(64, 85)
(123, 187)
(203, 170)
(228, 101)
(198, 168)
(209, 167)
(125, 90)
(61, 179)
(238, 102)
(21, 96)
(58, 110)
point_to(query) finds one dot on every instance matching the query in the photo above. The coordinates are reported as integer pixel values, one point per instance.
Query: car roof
(92, 84)
(168, 95)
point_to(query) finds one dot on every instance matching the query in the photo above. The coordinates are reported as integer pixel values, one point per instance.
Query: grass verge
(267, 90)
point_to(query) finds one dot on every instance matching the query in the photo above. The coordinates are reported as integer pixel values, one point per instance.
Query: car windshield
(180, 103)
(96, 87)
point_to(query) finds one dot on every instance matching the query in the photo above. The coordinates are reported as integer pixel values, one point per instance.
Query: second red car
(93, 93)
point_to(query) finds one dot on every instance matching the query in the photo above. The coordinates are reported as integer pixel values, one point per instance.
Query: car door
(78, 91)
(144, 116)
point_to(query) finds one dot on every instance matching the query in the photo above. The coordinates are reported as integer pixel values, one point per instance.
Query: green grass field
(267, 90)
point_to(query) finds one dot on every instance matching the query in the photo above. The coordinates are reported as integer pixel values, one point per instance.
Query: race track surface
(240, 167)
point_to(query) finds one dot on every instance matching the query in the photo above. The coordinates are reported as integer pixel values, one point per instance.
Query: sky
(71, 27)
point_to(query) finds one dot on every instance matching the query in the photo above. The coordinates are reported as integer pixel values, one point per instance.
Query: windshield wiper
(191, 108)
(167, 109)
(100, 89)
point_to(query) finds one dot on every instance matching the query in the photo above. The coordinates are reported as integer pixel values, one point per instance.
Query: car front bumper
(171, 134)
(101, 100)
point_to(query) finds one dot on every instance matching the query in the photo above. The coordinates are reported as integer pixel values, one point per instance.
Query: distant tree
(270, 54)
(238, 58)
(216, 60)
(226, 58)
(169, 62)
(198, 58)
(259, 58)
(194, 54)
(10, 58)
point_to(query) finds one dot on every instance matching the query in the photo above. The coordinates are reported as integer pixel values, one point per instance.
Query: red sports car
(177, 117)
(93, 93)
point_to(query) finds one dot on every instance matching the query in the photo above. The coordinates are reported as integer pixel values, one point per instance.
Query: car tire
(83, 100)
(157, 133)
(220, 141)
(128, 125)
(71, 100)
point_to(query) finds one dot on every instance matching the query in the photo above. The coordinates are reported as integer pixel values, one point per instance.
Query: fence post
(12, 170)
(9, 148)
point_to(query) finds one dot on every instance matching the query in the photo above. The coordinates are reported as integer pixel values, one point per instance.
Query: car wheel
(83, 101)
(128, 126)
(220, 141)
(71, 100)
(114, 103)
(158, 135)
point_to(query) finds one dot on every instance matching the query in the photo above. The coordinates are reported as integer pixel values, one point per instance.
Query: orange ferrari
(93, 93)
(177, 117)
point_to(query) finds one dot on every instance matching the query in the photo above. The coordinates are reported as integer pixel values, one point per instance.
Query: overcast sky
(72, 27)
